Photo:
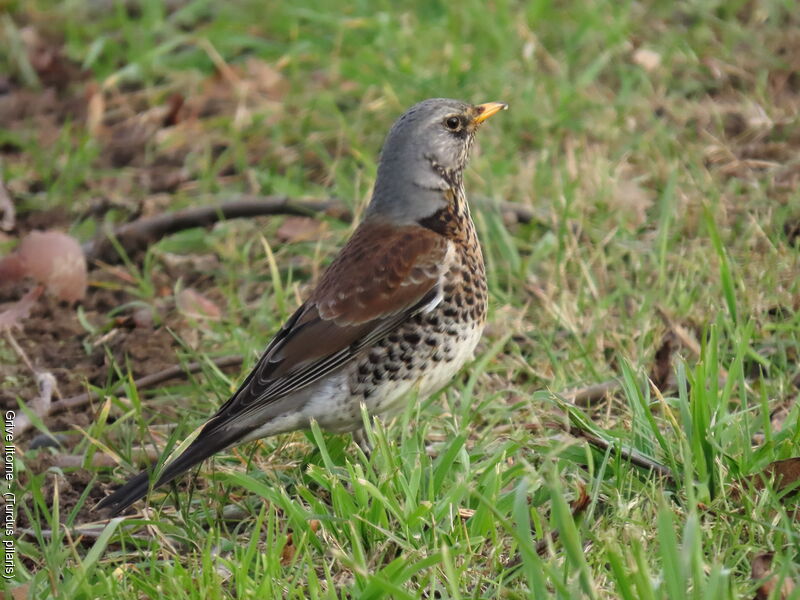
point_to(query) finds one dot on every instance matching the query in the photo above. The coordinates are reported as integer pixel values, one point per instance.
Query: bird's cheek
(444, 151)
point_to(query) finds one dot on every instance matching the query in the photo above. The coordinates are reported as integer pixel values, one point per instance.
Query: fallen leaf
(577, 507)
(791, 229)
(20, 592)
(48, 60)
(287, 554)
(783, 473)
(299, 229)
(629, 199)
(193, 304)
(174, 104)
(56, 260)
(648, 59)
(268, 79)
(20, 310)
(662, 374)
(289, 550)
(579, 504)
(684, 336)
(761, 570)
(632, 201)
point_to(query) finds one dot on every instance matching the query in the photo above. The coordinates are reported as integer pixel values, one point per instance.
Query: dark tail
(208, 442)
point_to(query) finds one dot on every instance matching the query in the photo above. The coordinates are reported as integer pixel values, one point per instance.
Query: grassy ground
(656, 145)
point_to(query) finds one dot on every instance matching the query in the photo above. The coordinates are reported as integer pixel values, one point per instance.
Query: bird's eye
(453, 123)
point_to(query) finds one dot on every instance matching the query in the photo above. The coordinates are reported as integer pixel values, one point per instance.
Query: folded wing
(383, 276)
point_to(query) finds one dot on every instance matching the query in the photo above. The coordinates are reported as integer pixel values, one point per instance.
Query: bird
(400, 308)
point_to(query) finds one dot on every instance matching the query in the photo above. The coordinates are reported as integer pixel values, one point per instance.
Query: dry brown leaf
(289, 550)
(648, 59)
(287, 554)
(299, 229)
(579, 504)
(761, 569)
(791, 228)
(47, 58)
(631, 200)
(96, 108)
(466, 513)
(193, 304)
(683, 335)
(174, 105)
(12, 317)
(577, 507)
(268, 79)
(56, 260)
(662, 374)
(20, 592)
(783, 473)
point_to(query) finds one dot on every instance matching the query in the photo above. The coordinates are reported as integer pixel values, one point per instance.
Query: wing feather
(383, 276)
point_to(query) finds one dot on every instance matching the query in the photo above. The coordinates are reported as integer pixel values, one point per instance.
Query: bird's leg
(361, 438)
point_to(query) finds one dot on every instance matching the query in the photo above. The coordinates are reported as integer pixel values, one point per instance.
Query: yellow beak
(485, 111)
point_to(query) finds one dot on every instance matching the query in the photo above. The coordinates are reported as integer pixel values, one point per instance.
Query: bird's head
(423, 156)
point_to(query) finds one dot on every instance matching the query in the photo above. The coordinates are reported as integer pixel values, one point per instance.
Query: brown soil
(55, 341)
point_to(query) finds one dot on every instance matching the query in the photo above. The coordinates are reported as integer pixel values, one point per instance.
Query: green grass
(648, 199)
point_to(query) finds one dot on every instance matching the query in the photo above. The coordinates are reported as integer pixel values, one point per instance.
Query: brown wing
(381, 277)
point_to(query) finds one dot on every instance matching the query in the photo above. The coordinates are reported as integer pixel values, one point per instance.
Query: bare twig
(140, 234)
(628, 454)
(89, 532)
(23, 424)
(20, 352)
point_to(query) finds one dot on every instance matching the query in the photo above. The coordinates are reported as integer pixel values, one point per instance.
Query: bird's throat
(453, 219)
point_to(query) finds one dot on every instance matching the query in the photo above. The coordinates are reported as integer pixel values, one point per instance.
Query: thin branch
(138, 235)
(88, 532)
(628, 454)
(20, 352)
(22, 423)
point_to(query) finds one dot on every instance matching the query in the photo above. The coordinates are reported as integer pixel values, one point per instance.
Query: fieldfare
(400, 308)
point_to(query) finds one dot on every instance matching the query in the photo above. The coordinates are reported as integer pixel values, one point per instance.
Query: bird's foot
(360, 437)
